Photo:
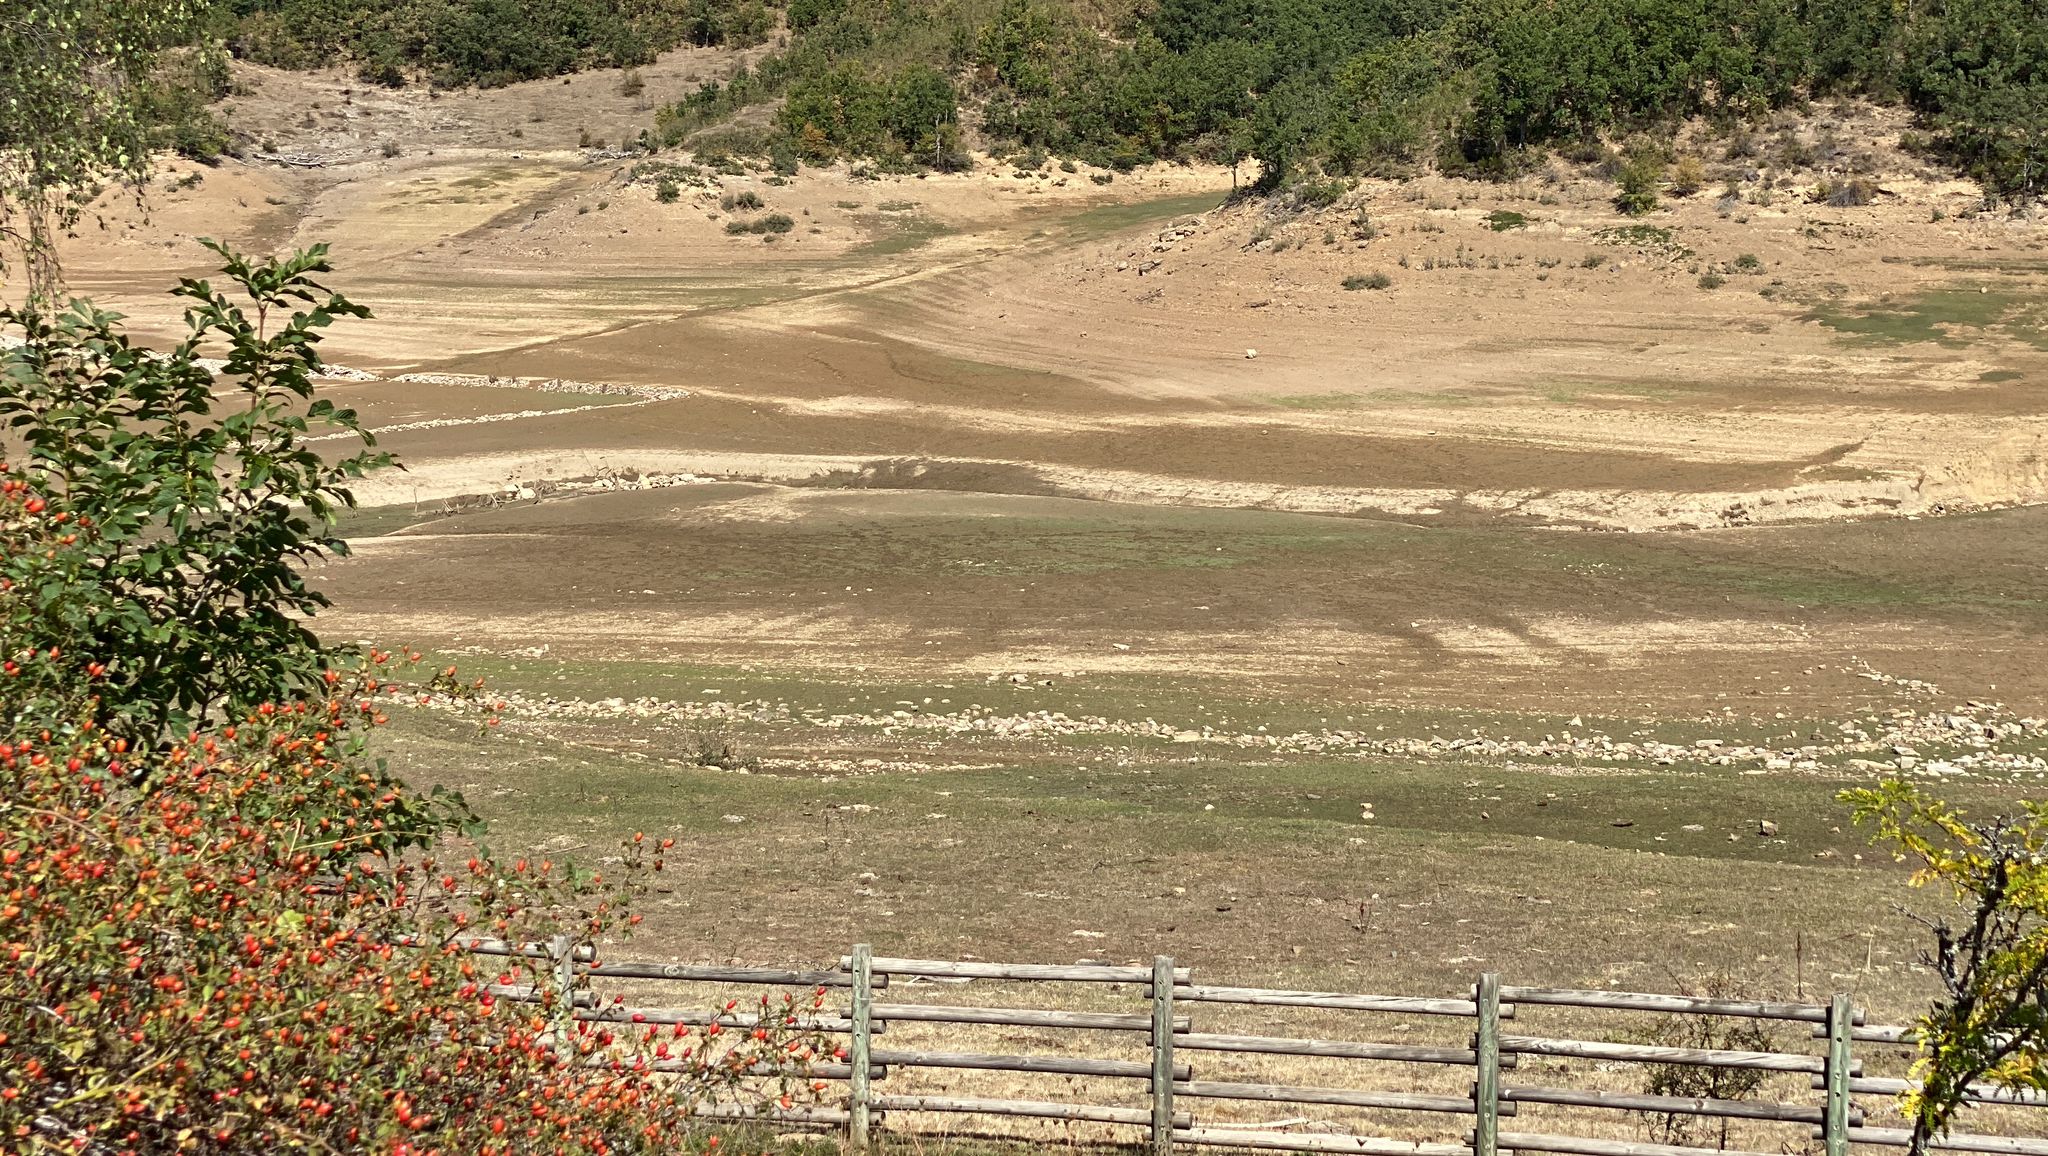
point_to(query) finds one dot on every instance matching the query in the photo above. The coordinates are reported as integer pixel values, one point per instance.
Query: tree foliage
(1981, 76)
(79, 99)
(1347, 87)
(190, 517)
(1694, 1082)
(911, 112)
(1990, 1023)
(483, 42)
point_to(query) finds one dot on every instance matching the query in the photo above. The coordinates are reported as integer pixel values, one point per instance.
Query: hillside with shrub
(1473, 86)
(1380, 87)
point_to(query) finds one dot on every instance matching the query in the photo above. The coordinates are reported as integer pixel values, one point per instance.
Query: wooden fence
(1169, 1103)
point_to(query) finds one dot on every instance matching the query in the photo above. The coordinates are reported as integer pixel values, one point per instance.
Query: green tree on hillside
(1282, 126)
(1982, 79)
(851, 109)
(485, 42)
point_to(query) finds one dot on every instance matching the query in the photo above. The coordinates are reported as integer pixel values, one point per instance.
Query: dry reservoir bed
(1032, 569)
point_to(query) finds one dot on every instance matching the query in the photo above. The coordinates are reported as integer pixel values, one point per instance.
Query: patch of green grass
(1320, 401)
(1501, 220)
(1994, 376)
(1108, 219)
(897, 236)
(1566, 393)
(1808, 576)
(1378, 397)
(1010, 547)
(1251, 867)
(1826, 590)
(1937, 315)
(375, 521)
(1183, 792)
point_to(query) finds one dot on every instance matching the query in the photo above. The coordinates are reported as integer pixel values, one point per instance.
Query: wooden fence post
(857, 1054)
(1162, 1055)
(562, 978)
(1486, 1053)
(1835, 1119)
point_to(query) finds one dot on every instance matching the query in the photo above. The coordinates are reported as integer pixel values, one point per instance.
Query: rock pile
(545, 385)
(1973, 740)
(1171, 237)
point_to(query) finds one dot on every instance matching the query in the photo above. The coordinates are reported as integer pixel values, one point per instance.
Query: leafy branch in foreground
(189, 517)
(1990, 1023)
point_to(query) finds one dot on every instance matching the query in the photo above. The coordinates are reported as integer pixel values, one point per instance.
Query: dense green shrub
(773, 223)
(1321, 194)
(484, 42)
(1641, 173)
(1981, 80)
(908, 112)
(1346, 87)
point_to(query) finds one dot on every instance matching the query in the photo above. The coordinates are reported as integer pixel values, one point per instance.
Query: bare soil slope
(1533, 363)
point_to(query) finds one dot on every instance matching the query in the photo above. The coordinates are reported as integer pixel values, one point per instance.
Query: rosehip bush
(194, 514)
(180, 972)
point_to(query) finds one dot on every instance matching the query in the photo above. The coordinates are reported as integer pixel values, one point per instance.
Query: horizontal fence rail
(1169, 1102)
(1680, 1004)
(1651, 1054)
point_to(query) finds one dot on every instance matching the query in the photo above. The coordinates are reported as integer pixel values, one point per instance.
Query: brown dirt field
(939, 445)
(1002, 333)
(909, 580)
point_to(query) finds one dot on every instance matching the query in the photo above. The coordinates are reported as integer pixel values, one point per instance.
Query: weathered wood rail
(1170, 1113)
